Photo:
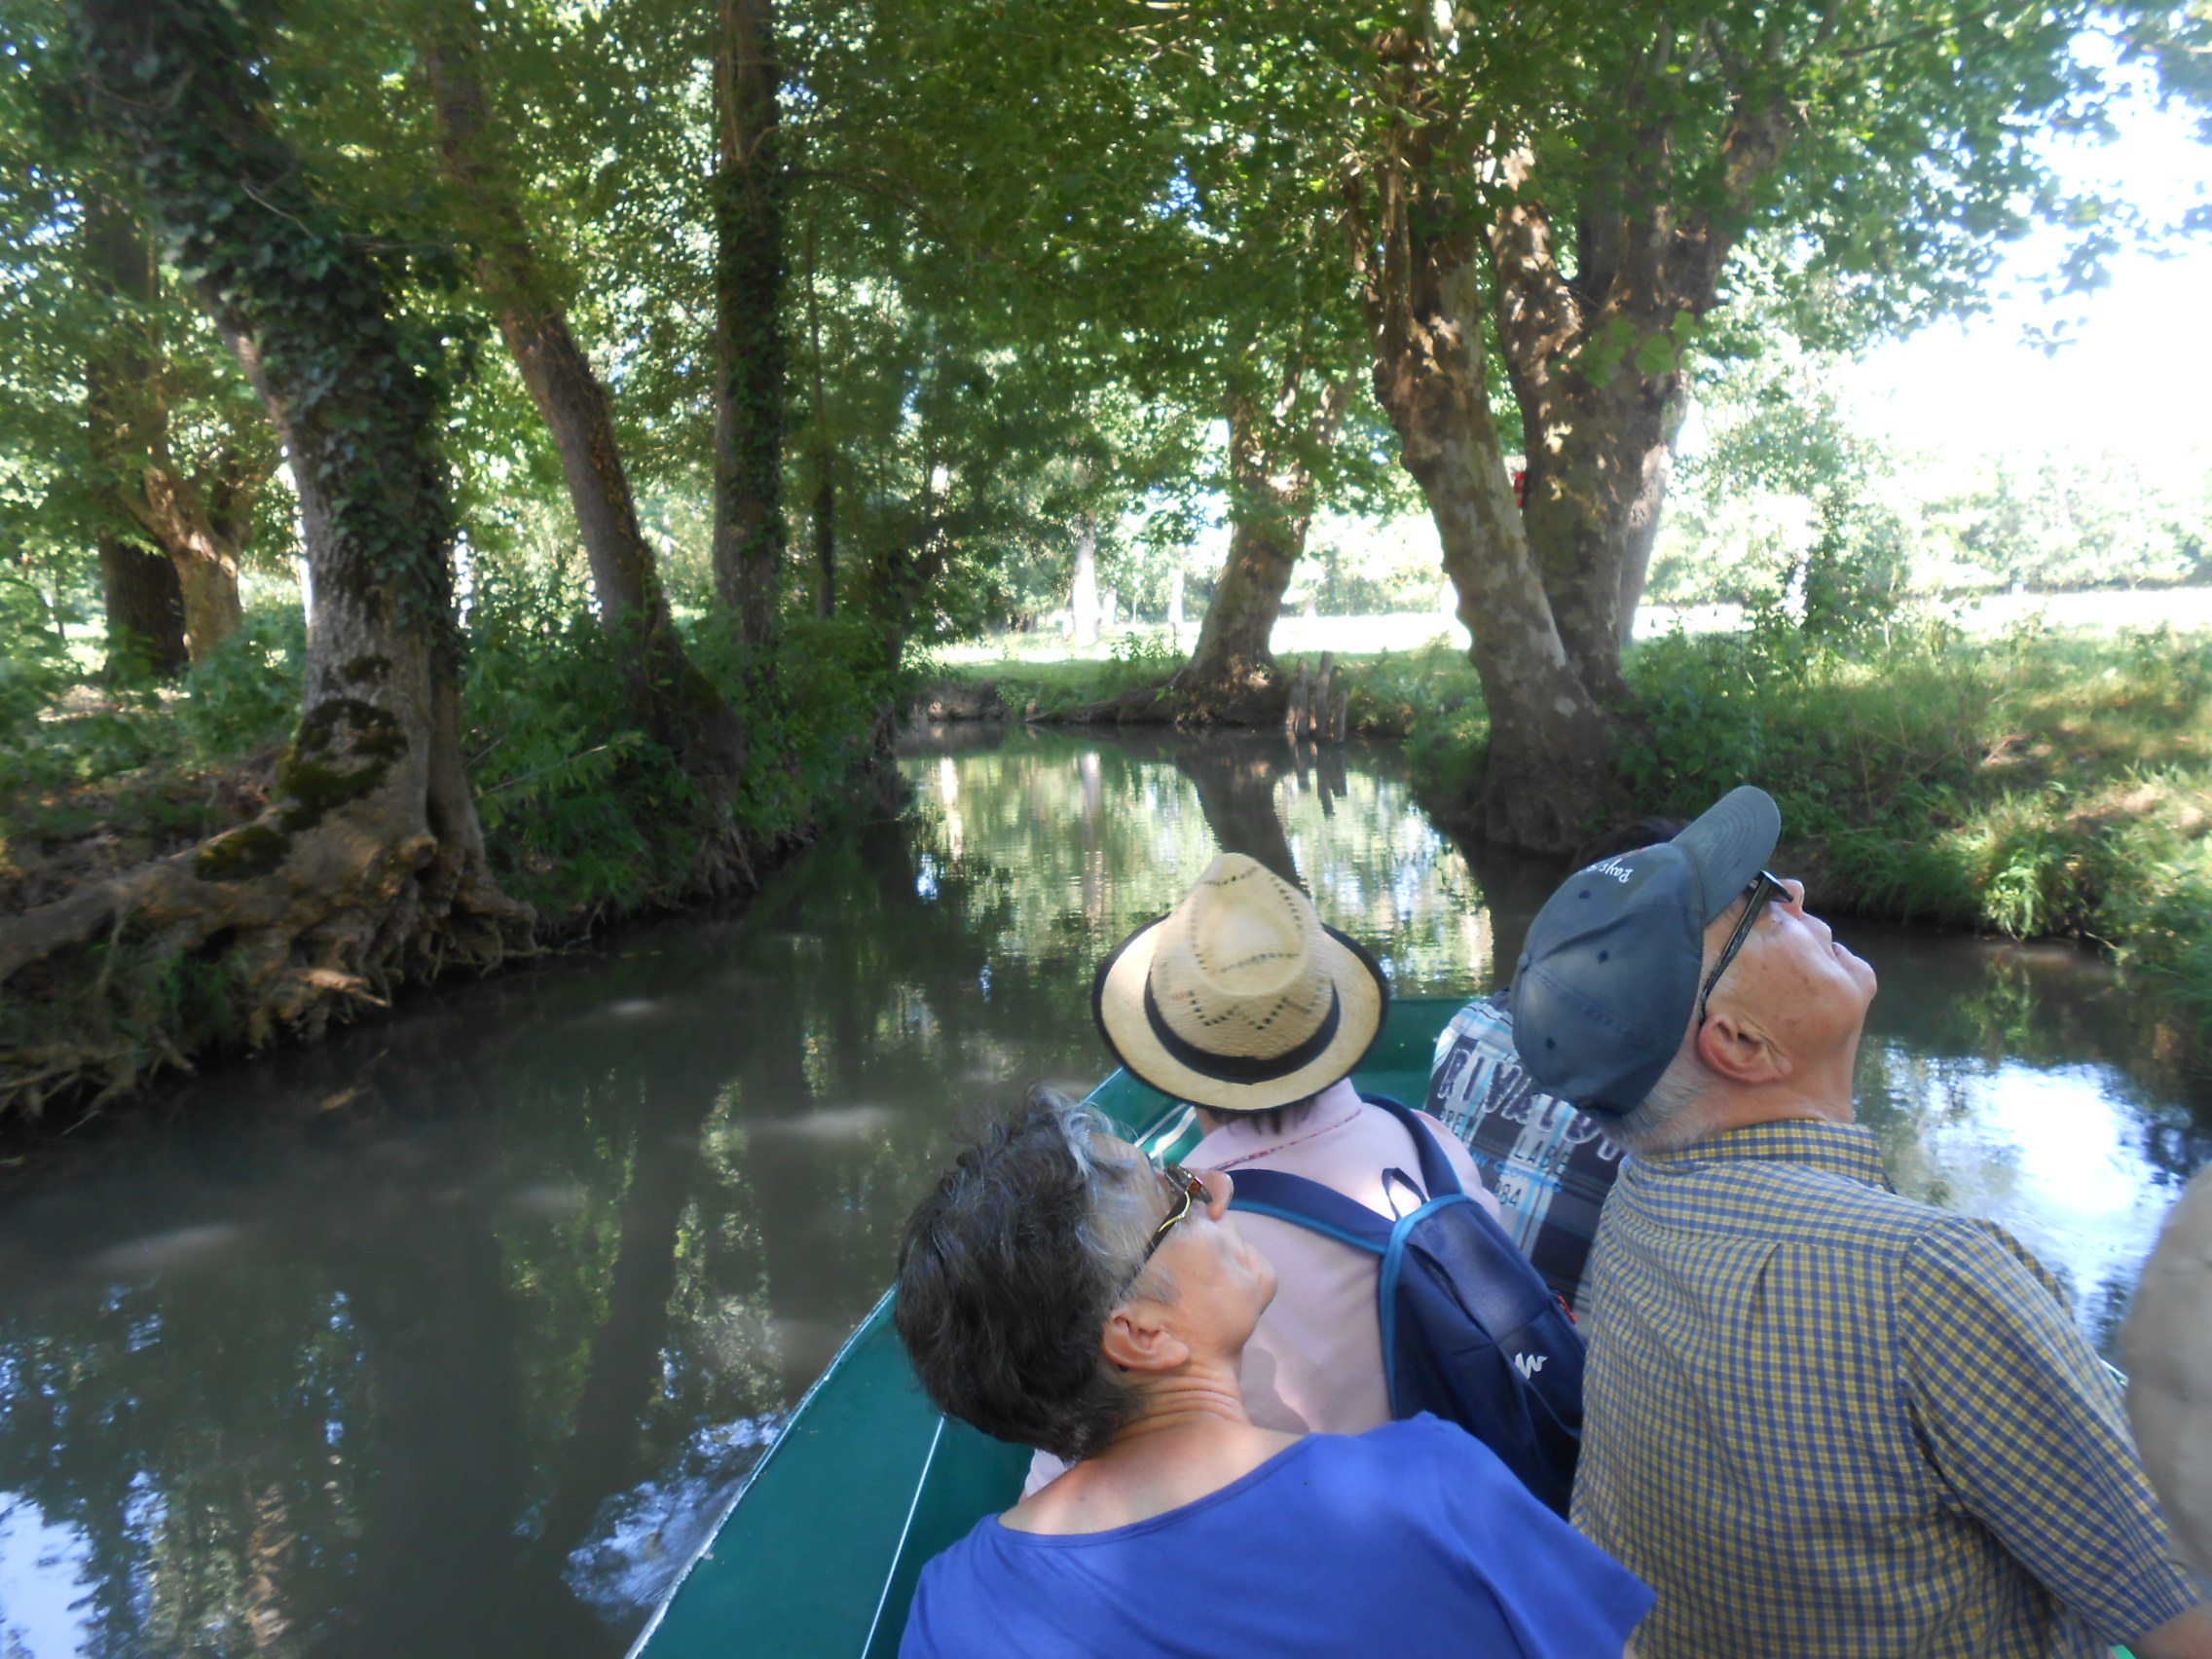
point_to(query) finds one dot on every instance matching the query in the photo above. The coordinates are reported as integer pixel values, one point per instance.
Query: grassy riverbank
(1392, 692)
(2029, 783)
(2033, 785)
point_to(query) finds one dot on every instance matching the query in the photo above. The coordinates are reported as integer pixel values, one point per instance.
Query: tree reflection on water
(450, 1336)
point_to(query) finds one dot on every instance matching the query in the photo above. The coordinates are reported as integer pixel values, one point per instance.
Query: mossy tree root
(368, 867)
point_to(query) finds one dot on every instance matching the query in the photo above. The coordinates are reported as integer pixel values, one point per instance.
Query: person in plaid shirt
(1822, 1420)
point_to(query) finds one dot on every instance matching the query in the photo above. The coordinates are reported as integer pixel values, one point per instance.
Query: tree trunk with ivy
(666, 693)
(751, 179)
(368, 867)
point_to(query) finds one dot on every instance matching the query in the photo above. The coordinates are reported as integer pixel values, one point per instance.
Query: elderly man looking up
(1060, 1291)
(1822, 1420)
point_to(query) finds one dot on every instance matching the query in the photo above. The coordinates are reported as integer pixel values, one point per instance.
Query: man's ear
(1739, 1050)
(1136, 1339)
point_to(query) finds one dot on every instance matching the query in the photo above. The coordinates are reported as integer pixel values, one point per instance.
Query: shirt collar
(1840, 1149)
(1247, 1138)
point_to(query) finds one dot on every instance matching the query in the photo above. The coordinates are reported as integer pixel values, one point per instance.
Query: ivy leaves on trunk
(368, 867)
(751, 180)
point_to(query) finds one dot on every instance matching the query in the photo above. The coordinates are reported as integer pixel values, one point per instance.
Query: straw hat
(1240, 998)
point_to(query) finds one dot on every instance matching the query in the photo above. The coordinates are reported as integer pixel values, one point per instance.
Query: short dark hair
(1268, 1119)
(1009, 1270)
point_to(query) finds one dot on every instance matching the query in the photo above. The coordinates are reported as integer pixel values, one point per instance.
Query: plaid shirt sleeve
(2028, 1428)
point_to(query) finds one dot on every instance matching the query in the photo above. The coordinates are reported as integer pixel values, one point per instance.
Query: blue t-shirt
(1410, 1539)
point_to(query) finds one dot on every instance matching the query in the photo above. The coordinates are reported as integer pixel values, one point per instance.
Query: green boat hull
(820, 1551)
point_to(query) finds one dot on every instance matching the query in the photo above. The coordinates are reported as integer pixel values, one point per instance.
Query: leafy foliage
(585, 815)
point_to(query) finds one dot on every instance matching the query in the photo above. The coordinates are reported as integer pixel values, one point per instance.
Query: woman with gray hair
(1061, 1291)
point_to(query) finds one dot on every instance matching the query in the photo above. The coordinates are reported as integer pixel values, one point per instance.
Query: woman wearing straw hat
(1242, 1002)
(1060, 1291)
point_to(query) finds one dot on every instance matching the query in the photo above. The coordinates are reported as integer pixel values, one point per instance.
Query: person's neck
(1338, 1099)
(1191, 1438)
(1819, 1092)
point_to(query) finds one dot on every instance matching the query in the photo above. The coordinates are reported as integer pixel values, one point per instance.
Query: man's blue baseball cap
(1609, 977)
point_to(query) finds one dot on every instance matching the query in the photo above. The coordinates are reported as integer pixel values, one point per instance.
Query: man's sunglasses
(1757, 891)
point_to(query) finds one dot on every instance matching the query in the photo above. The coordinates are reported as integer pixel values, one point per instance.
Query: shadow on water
(448, 1337)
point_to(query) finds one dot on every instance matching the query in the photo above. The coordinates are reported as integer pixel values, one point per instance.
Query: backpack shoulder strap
(1436, 1171)
(1312, 1206)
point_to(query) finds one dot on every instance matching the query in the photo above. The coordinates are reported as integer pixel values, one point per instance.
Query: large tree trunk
(751, 182)
(203, 523)
(209, 583)
(368, 867)
(1549, 772)
(1595, 363)
(1271, 495)
(145, 607)
(1270, 506)
(666, 691)
(200, 523)
(1597, 436)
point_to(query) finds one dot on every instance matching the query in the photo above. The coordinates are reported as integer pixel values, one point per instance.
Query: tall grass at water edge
(2032, 785)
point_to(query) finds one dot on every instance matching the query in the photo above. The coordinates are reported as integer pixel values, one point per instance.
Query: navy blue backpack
(1470, 1330)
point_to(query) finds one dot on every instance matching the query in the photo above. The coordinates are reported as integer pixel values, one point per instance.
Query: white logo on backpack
(1529, 1364)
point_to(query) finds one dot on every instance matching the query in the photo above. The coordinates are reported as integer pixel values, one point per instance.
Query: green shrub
(35, 667)
(1147, 656)
(245, 696)
(47, 748)
(583, 812)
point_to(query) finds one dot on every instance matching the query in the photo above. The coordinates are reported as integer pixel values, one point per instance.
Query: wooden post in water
(1298, 714)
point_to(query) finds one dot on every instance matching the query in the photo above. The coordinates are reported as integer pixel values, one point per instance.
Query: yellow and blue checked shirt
(1825, 1421)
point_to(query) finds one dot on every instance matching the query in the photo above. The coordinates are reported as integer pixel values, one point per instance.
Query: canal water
(444, 1338)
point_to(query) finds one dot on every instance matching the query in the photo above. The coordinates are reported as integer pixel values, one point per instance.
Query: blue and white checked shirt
(1548, 1166)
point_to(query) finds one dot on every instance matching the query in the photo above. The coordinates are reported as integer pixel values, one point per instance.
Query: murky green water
(441, 1339)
